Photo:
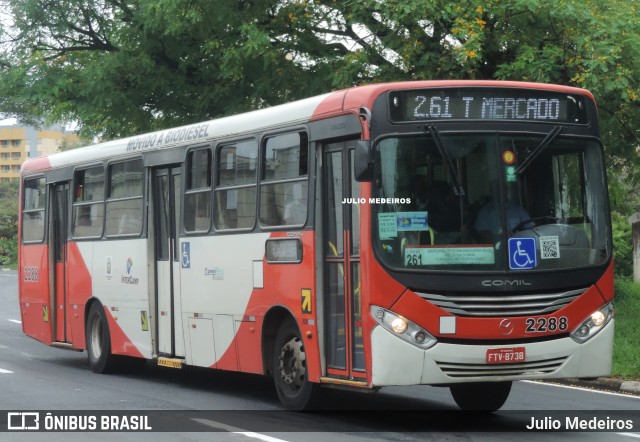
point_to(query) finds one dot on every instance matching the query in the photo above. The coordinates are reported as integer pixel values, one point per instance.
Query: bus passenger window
(33, 210)
(235, 194)
(283, 193)
(197, 197)
(88, 203)
(124, 212)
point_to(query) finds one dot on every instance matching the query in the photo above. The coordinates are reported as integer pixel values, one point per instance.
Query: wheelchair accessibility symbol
(522, 253)
(186, 255)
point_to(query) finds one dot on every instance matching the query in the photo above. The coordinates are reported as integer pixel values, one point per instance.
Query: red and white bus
(452, 233)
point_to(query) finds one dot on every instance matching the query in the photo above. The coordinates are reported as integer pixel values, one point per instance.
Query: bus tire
(486, 396)
(290, 369)
(98, 340)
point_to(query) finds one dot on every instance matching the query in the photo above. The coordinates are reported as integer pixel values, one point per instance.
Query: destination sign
(487, 104)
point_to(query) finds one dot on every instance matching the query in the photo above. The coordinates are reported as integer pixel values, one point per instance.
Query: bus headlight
(403, 328)
(598, 318)
(399, 325)
(593, 324)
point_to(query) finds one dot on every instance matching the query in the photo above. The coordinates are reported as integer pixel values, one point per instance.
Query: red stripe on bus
(36, 164)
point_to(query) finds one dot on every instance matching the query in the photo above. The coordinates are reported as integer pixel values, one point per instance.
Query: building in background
(19, 142)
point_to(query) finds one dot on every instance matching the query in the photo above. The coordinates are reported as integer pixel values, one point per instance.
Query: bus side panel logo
(522, 253)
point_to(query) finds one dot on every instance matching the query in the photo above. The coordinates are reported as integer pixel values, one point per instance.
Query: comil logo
(23, 420)
(506, 327)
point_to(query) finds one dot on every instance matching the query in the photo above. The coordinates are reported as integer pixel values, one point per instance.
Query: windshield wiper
(538, 149)
(457, 188)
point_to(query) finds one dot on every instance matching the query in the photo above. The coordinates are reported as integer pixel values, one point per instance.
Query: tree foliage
(125, 66)
(8, 222)
(121, 67)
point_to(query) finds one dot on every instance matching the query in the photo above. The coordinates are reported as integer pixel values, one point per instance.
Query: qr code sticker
(549, 247)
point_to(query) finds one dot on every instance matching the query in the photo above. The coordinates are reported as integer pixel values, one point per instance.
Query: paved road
(36, 377)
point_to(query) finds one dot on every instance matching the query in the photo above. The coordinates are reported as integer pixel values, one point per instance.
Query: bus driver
(489, 223)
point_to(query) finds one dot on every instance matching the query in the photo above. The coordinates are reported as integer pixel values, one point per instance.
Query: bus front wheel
(486, 396)
(290, 369)
(98, 340)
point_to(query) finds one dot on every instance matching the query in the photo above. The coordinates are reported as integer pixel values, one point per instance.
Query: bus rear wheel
(290, 369)
(486, 396)
(98, 340)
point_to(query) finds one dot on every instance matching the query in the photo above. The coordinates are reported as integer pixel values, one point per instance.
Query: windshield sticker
(428, 256)
(549, 247)
(387, 225)
(412, 222)
(522, 253)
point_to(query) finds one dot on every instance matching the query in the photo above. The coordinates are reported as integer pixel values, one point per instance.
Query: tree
(8, 222)
(122, 67)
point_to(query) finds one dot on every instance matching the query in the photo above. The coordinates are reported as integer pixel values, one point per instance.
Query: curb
(630, 387)
(606, 384)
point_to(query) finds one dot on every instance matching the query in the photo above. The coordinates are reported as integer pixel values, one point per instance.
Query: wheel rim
(292, 364)
(96, 337)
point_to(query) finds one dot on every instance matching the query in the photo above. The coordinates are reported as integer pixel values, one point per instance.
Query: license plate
(506, 355)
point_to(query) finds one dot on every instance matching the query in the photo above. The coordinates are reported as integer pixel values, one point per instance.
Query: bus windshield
(489, 202)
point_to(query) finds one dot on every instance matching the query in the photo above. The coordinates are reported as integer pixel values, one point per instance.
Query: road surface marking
(263, 437)
(572, 387)
(236, 430)
(15, 320)
(3, 371)
(636, 435)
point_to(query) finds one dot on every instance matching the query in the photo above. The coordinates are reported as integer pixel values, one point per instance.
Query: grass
(626, 345)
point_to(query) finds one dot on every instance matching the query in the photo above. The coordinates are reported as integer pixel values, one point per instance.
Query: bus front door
(166, 201)
(341, 261)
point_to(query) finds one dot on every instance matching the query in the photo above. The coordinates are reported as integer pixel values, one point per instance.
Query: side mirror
(363, 161)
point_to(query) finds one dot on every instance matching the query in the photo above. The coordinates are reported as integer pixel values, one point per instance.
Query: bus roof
(297, 112)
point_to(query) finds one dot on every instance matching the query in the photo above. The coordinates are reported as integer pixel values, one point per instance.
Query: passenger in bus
(129, 224)
(419, 189)
(295, 210)
(489, 221)
(444, 213)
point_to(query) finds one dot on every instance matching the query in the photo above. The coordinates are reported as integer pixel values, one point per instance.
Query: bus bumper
(396, 362)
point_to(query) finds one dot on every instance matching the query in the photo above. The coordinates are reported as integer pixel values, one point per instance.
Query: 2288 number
(541, 325)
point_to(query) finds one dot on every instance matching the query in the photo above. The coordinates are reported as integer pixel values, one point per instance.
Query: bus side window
(236, 179)
(197, 197)
(88, 202)
(283, 192)
(124, 212)
(33, 210)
